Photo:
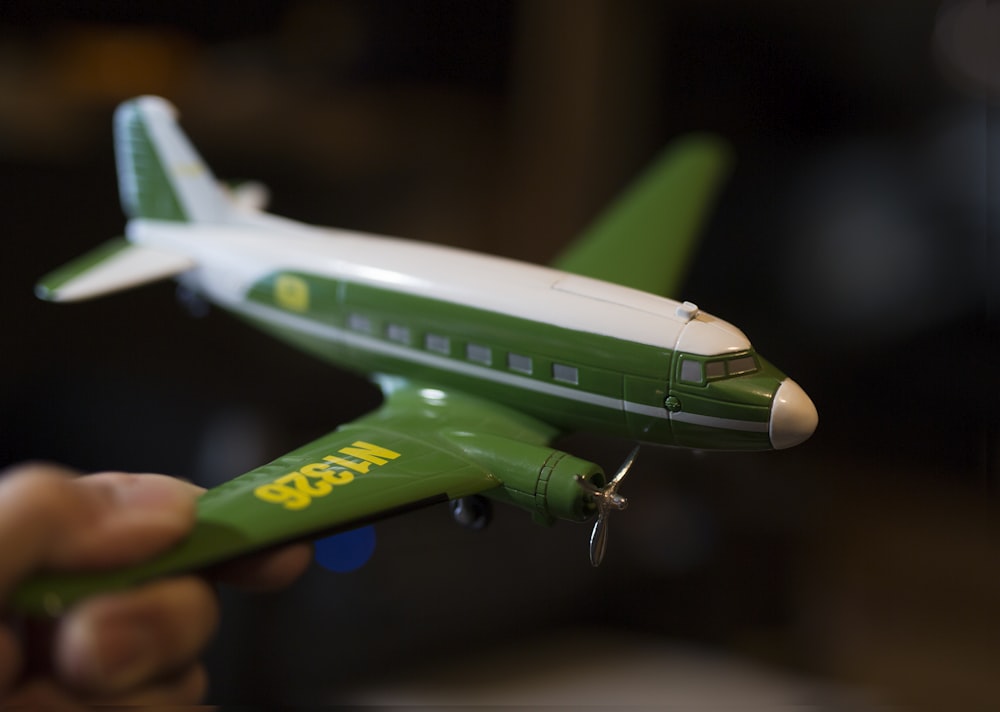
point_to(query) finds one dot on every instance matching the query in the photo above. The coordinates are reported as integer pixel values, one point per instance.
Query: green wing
(421, 447)
(647, 237)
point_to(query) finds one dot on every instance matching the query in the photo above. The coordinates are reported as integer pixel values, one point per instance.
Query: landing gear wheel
(474, 512)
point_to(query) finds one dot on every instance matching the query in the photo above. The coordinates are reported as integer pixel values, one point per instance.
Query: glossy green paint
(508, 443)
(651, 392)
(746, 397)
(440, 442)
(692, 436)
(450, 445)
(647, 237)
(600, 360)
(332, 301)
(153, 194)
(608, 368)
(547, 489)
(430, 441)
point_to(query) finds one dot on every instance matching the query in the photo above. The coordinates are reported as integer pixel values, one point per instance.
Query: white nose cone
(793, 416)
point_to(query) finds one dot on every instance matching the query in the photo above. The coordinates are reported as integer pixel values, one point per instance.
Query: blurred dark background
(856, 244)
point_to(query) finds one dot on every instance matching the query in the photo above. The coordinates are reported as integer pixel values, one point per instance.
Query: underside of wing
(646, 238)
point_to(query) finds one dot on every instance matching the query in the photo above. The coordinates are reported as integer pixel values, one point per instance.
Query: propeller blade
(607, 499)
(626, 466)
(598, 541)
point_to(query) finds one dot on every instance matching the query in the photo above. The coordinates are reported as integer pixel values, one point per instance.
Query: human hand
(136, 647)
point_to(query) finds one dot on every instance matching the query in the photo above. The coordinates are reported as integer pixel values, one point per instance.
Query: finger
(176, 692)
(133, 517)
(110, 519)
(45, 695)
(266, 571)
(119, 642)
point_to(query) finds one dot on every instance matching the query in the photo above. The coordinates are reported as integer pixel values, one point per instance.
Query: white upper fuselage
(232, 257)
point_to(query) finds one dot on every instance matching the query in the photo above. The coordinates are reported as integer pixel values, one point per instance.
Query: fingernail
(105, 655)
(152, 490)
(152, 497)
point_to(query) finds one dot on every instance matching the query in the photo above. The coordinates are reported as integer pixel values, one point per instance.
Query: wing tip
(47, 293)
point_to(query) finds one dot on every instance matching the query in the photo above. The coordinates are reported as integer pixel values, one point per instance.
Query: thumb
(52, 520)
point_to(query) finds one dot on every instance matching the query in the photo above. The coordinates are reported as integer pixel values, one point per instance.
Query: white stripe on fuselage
(369, 343)
(712, 421)
(425, 358)
(233, 257)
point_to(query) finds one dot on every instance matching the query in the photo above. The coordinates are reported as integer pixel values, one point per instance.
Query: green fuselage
(572, 379)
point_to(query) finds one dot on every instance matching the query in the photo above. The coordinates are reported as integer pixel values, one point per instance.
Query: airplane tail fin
(647, 237)
(160, 177)
(160, 174)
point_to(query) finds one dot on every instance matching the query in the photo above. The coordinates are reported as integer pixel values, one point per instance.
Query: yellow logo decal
(190, 169)
(296, 490)
(291, 292)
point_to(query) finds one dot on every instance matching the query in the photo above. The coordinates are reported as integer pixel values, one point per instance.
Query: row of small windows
(476, 353)
(479, 354)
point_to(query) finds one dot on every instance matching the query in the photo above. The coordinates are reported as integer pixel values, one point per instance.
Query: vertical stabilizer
(160, 174)
(647, 237)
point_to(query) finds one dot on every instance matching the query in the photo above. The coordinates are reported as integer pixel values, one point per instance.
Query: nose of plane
(793, 416)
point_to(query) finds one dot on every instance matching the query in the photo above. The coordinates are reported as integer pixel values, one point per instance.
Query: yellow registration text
(296, 490)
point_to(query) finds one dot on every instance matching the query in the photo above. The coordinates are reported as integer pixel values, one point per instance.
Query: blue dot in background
(346, 552)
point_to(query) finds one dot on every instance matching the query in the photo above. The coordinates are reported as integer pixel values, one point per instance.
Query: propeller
(607, 499)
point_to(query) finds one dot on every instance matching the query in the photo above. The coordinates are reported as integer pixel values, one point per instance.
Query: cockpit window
(691, 371)
(696, 371)
(715, 369)
(740, 365)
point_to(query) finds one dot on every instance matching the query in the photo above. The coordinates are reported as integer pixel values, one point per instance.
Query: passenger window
(691, 371)
(566, 374)
(517, 362)
(357, 322)
(479, 354)
(395, 332)
(437, 343)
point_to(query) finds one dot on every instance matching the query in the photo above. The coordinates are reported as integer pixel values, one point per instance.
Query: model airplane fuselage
(578, 353)
(483, 360)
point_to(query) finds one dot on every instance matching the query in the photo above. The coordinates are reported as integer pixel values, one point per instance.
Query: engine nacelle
(537, 478)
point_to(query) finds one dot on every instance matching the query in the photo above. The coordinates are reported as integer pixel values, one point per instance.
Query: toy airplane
(483, 361)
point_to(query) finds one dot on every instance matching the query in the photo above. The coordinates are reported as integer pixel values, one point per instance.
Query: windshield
(698, 369)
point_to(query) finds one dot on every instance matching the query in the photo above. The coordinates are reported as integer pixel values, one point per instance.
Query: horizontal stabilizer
(112, 267)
